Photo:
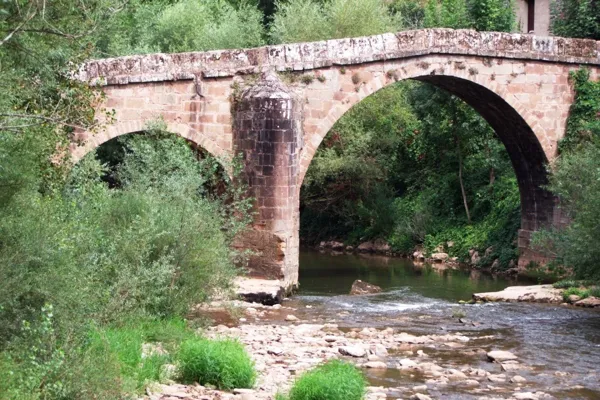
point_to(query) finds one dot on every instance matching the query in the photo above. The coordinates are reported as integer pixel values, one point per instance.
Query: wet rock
(380, 246)
(405, 363)
(589, 302)
(419, 256)
(335, 245)
(536, 293)
(375, 365)
(421, 388)
(359, 288)
(574, 298)
(518, 379)
(439, 257)
(501, 378)
(379, 350)
(419, 396)
(349, 248)
(352, 351)
(475, 258)
(500, 356)
(291, 318)
(471, 382)
(366, 247)
(455, 375)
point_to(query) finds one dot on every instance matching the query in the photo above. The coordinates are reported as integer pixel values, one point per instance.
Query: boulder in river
(500, 355)
(352, 351)
(359, 287)
(535, 294)
(366, 247)
(589, 302)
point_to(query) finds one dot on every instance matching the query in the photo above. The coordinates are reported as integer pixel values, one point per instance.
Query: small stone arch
(87, 141)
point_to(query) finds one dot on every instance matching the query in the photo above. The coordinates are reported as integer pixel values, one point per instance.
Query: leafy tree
(446, 14)
(576, 18)
(492, 15)
(306, 20)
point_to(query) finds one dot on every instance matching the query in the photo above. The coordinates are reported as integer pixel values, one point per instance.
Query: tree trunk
(460, 179)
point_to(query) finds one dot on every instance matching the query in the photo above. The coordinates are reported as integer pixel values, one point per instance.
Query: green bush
(310, 20)
(334, 380)
(222, 363)
(583, 293)
(576, 18)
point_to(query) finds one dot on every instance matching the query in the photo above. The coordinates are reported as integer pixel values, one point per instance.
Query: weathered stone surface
(537, 294)
(500, 355)
(439, 257)
(359, 288)
(589, 302)
(352, 351)
(262, 291)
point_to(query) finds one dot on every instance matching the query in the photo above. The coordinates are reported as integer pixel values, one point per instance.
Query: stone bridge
(275, 105)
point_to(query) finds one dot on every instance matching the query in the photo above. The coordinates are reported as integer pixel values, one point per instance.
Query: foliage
(575, 180)
(576, 18)
(334, 380)
(187, 25)
(310, 20)
(583, 124)
(410, 12)
(222, 363)
(493, 15)
(446, 14)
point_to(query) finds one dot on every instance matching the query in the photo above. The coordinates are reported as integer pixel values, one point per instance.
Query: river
(559, 345)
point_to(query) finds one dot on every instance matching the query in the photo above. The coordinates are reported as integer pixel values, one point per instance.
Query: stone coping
(307, 56)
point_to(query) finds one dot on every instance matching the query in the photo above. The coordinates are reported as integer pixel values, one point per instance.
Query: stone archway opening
(527, 156)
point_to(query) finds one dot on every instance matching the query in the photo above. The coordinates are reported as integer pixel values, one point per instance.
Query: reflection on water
(561, 344)
(322, 273)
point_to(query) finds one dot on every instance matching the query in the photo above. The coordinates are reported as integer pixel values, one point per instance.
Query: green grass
(569, 283)
(124, 345)
(221, 363)
(334, 380)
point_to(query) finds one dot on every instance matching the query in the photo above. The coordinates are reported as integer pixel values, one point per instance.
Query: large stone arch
(503, 92)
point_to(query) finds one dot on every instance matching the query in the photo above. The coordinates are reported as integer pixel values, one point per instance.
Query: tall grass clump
(222, 363)
(334, 380)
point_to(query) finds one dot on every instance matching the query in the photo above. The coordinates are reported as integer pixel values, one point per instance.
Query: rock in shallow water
(359, 287)
(500, 355)
(353, 351)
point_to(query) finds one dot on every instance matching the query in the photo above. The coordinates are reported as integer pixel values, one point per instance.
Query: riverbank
(284, 341)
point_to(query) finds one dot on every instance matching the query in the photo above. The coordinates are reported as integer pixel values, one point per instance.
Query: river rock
(405, 363)
(366, 247)
(440, 257)
(500, 356)
(475, 258)
(574, 298)
(335, 245)
(380, 246)
(589, 302)
(375, 365)
(518, 379)
(352, 351)
(359, 287)
(536, 293)
(419, 396)
(291, 318)
(418, 255)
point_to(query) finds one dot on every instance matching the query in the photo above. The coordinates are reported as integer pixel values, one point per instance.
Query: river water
(559, 345)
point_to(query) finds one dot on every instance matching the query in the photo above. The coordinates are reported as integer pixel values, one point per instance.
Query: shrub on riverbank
(222, 363)
(334, 380)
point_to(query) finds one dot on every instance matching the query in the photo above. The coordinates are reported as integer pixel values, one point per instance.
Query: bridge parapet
(307, 56)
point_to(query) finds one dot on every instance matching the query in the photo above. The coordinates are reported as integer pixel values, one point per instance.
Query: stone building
(533, 16)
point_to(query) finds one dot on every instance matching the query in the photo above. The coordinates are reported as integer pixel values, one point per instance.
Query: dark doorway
(530, 16)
